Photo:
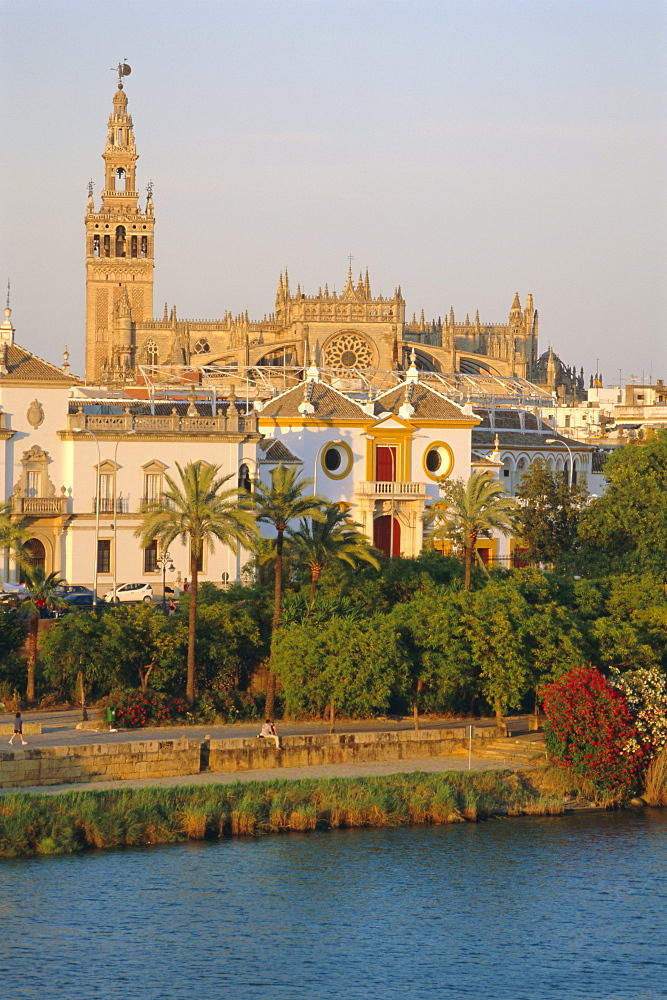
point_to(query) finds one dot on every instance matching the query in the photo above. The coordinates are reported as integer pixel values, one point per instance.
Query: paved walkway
(432, 765)
(59, 728)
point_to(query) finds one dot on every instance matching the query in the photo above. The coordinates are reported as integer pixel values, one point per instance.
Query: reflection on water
(528, 909)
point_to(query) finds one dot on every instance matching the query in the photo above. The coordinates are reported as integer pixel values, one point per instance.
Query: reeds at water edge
(76, 821)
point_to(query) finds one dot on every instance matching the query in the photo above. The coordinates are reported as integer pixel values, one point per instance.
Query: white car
(130, 592)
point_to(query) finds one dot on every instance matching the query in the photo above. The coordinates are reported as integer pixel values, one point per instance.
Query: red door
(384, 538)
(385, 463)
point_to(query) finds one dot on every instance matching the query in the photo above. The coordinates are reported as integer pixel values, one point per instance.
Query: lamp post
(115, 513)
(84, 430)
(164, 561)
(565, 445)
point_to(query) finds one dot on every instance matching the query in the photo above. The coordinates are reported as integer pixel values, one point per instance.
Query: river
(528, 909)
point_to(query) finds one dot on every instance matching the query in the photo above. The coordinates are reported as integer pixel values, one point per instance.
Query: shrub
(590, 729)
(135, 709)
(645, 691)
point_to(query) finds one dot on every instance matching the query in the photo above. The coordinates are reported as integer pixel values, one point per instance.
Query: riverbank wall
(37, 766)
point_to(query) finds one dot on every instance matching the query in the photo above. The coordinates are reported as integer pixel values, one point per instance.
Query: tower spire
(119, 244)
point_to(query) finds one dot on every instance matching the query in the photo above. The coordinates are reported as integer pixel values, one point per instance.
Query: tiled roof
(484, 439)
(275, 451)
(22, 366)
(327, 403)
(428, 404)
(477, 459)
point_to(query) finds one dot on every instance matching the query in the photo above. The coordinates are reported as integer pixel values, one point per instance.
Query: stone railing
(173, 423)
(397, 491)
(39, 506)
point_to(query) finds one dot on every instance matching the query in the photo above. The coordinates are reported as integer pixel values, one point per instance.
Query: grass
(655, 791)
(33, 825)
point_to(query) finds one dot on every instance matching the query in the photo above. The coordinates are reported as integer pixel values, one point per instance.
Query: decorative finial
(8, 293)
(91, 185)
(149, 189)
(123, 70)
(65, 365)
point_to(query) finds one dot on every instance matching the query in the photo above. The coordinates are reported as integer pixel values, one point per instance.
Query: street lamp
(164, 562)
(565, 445)
(114, 526)
(84, 430)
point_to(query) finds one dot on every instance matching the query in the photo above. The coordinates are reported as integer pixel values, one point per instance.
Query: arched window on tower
(133, 246)
(96, 245)
(151, 352)
(120, 174)
(144, 246)
(120, 241)
(107, 246)
(245, 483)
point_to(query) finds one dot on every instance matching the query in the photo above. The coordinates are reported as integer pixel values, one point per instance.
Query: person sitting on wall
(269, 732)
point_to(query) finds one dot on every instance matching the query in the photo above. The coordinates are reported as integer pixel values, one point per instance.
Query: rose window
(348, 350)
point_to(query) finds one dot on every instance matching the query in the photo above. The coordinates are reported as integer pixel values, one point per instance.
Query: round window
(337, 460)
(438, 460)
(332, 460)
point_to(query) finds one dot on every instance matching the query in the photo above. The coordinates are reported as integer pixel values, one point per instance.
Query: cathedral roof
(21, 366)
(426, 402)
(316, 400)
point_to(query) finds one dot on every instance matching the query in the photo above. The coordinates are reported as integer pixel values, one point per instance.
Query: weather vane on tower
(123, 69)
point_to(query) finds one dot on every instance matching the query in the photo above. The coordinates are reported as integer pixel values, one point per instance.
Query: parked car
(130, 592)
(75, 602)
(75, 588)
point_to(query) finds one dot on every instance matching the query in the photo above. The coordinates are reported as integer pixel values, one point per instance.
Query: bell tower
(119, 251)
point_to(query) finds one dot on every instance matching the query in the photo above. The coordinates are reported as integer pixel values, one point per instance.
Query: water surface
(528, 909)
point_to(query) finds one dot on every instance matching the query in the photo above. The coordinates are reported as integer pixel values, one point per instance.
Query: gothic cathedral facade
(347, 332)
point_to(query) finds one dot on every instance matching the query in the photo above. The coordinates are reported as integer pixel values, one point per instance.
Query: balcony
(121, 505)
(392, 491)
(39, 506)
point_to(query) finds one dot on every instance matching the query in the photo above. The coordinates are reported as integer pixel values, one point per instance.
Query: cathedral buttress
(119, 252)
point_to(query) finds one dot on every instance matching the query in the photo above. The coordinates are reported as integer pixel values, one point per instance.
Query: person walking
(269, 732)
(18, 730)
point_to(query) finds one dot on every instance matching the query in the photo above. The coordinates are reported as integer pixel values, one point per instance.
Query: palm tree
(13, 535)
(279, 504)
(336, 537)
(44, 591)
(469, 509)
(199, 511)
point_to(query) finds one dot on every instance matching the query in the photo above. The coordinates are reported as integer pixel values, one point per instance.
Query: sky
(462, 149)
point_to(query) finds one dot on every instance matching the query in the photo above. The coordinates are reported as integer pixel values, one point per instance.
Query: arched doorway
(36, 554)
(387, 535)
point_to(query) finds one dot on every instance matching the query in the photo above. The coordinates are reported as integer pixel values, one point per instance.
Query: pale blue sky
(464, 150)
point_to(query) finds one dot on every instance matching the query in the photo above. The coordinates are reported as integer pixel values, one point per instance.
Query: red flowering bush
(135, 709)
(590, 729)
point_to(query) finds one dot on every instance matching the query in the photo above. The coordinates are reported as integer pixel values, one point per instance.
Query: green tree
(432, 629)
(549, 512)
(279, 504)
(13, 535)
(493, 621)
(319, 543)
(44, 591)
(140, 644)
(76, 655)
(469, 509)
(626, 528)
(354, 667)
(199, 512)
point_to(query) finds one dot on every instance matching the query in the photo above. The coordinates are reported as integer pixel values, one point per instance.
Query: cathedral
(346, 334)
